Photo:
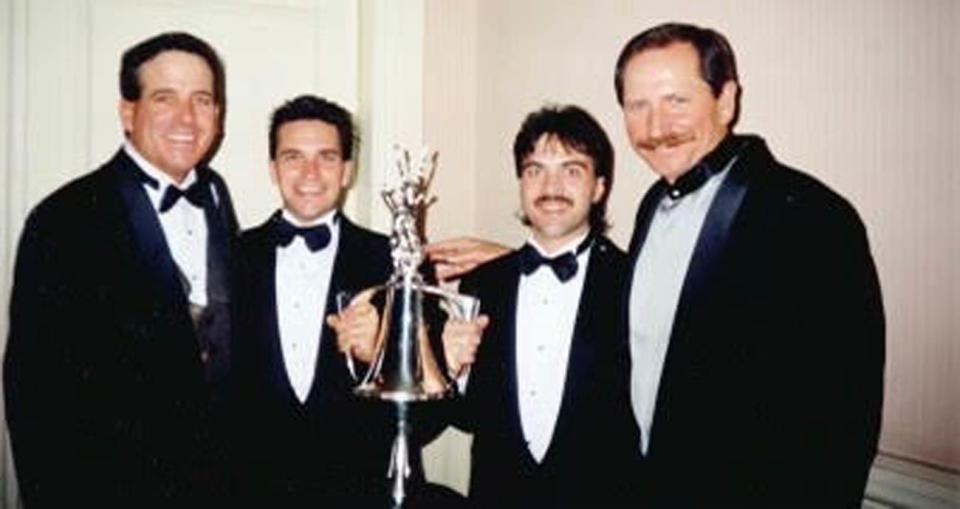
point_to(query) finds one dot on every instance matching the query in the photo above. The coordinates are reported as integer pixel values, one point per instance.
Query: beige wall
(863, 94)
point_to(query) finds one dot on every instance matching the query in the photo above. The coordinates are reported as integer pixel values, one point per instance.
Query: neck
(672, 179)
(551, 246)
(306, 222)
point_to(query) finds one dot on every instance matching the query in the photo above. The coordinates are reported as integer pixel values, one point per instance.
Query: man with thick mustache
(116, 362)
(546, 394)
(756, 323)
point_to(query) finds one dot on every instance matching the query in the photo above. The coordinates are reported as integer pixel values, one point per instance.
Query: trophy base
(374, 391)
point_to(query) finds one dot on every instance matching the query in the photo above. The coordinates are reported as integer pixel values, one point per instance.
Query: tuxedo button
(204, 356)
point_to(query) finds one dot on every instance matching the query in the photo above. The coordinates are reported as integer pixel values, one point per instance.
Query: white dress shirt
(658, 278)
(546, 315)
(184, 226)
(302, 285)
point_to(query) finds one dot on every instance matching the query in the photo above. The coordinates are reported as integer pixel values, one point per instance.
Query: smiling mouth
(182, 139)
(309, 192)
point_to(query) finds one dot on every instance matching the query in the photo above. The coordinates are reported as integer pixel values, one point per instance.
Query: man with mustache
(116, 362)
(546, 387)
(755, 316)
(756, 322)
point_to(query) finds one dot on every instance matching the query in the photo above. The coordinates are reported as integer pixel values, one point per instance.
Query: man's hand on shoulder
(457, 256)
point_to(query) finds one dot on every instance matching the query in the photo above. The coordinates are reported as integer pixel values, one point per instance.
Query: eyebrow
(162, 91)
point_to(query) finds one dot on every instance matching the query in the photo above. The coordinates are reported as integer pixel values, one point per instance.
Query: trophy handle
(343, 300)
(458, 305)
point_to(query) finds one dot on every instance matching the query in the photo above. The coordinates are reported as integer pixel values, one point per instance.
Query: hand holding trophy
(404, 369)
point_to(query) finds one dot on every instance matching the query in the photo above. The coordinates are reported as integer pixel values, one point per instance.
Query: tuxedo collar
(150, 244)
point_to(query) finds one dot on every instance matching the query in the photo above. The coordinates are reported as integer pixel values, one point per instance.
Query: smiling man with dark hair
(756, 324)
(116, 365)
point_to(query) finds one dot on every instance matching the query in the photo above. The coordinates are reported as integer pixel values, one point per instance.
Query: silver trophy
(404, 369)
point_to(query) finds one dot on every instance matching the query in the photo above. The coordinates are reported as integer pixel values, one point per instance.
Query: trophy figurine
(404, 369)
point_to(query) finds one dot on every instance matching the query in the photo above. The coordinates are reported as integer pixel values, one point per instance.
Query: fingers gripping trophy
(404, 370)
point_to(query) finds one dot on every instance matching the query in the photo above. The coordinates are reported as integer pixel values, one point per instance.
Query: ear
(273, 172)
(347, 176)
(126, 110)
(599, 190)
(727, 102)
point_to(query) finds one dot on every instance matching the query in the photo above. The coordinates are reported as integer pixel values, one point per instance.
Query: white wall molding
(391, 91)
(896, 483)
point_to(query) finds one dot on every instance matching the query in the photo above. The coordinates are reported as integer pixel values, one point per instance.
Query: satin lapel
(151, 246)
(711, 244)
(218, 242)
(331, 377)
(582, 350)
(264, 262)
(506, 296)
(644, 216)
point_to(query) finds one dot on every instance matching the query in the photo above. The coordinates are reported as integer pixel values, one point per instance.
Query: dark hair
(717, 63)
(576, 130)
(134, 58)
(311, 107)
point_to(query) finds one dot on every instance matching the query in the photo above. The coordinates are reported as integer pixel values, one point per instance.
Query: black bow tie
(689, 182)
(564, 266)
(316, 237)
(197, 194)
(711, 164)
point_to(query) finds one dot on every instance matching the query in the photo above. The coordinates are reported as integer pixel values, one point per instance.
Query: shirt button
(204, 356)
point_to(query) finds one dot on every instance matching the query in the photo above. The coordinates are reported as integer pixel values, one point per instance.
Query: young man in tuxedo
(116, 362)
(310, 439)
(545, 369)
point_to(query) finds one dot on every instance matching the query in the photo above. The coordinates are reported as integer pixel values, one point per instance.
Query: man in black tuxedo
(756, 322)
(116, 362)
(546, 398)
(310, 440)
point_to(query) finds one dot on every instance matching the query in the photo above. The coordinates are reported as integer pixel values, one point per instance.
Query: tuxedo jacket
(333, 446)
(107, 398)
(772, 386)
(594, 434)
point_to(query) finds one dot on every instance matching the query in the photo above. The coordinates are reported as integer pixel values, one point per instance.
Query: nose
(311, 168)
(186, 114)
(655, 123)
(553, 181)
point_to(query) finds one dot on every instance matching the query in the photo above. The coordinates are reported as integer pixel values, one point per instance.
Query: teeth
(181, 138)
